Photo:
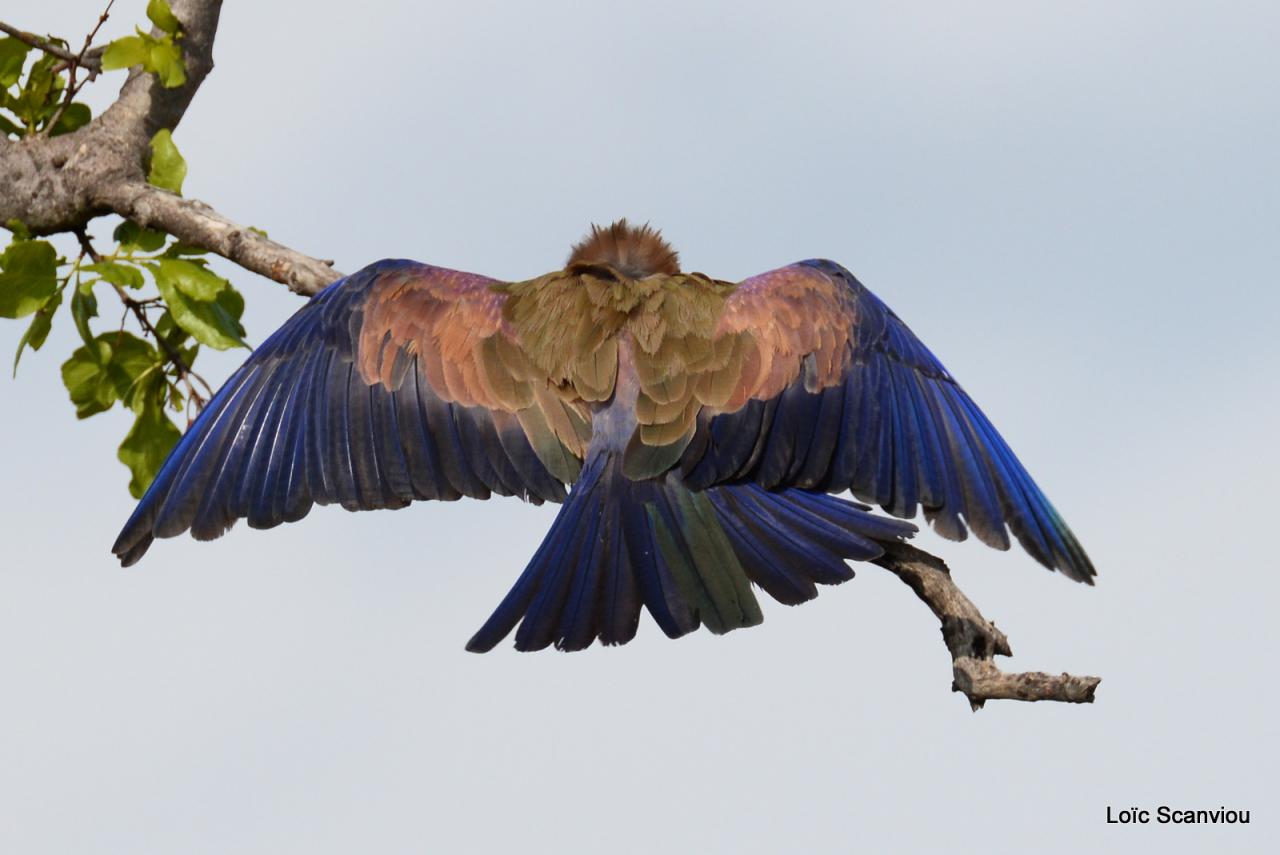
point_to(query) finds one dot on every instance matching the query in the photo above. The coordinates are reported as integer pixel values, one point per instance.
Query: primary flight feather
(693, 429)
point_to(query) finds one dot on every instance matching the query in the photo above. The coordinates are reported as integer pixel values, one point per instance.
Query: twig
(974, 641)
(138, 309)
(86, 246)
(93, 62)
(73, 88)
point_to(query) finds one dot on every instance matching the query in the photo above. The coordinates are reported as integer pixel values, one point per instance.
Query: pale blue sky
(1076, 205)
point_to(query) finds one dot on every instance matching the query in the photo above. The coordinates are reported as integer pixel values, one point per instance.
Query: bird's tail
(689, 557)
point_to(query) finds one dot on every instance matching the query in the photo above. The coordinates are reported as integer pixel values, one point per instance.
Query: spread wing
(829, 390)
(400, 382)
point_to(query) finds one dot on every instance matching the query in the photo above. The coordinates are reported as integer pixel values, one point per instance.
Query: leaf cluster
(177, 304)
(31, 96)
(159, 55)
(173, 304)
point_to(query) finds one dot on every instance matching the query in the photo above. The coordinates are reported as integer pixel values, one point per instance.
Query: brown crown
(635, 251)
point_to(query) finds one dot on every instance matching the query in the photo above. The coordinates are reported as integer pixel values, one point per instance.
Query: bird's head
(634, 251)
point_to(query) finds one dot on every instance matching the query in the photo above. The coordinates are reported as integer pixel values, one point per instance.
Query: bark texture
(974, 641)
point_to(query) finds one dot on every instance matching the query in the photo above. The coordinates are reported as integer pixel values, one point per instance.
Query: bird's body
(700, 426)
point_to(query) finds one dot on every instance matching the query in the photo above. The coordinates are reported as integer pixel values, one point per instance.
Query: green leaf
(178, 248)
(131, 356)
(116, 273)
(168, 330)
(36, 334)
(132, 236)
(162, 16)
(39, 95)
(148, 442)
(159, 56)
(168, 168)
(126, 52)
(127, 232)
(76, 116)
(189, 355)
(13, 54)
(83, 307)
(232, 302)
(165, 61)
(7, 127)
(85, 376)
(105, 369)
(212, 322)
(192, 279)
(29, 279)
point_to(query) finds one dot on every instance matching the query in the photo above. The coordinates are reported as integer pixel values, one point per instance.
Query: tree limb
(59, 184)
(974, 641)
(195, 223)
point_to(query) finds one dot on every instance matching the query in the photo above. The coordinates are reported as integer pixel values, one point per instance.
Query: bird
(705, 439)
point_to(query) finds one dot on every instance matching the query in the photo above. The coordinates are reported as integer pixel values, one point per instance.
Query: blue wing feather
(907, 436)
(299, 425)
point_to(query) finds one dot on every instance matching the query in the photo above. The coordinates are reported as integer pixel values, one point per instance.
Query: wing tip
(130, 550)
(1080, 568)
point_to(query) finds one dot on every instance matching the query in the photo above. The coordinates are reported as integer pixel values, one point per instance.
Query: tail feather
(708, 575)
(788, 548)
(580, 617)
(520, 601)
(691, 558)
(620, 602)
(652, 574)
(764, 558)
(806, 545)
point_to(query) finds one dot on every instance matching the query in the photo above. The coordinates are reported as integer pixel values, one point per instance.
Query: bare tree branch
(974, 641)
(197, 224)
(59, 184)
